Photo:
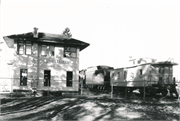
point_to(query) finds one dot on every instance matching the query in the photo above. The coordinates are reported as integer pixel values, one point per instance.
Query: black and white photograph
(89, 60)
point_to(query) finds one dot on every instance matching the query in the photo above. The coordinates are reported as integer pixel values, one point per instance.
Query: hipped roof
(47, 38)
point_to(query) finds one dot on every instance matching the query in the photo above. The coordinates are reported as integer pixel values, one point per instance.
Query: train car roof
(165, 63)
(155, 63)
(101, 67)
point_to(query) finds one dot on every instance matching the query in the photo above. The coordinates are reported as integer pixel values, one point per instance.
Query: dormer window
(70, 52)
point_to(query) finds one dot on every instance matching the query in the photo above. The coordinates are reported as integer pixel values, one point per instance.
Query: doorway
(47, 78)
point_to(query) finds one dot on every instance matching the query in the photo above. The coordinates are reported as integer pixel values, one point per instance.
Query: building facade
(44, 61)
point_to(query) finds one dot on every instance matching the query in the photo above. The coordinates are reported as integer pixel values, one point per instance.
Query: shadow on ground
(87, 109)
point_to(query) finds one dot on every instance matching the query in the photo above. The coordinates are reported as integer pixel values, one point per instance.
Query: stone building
(43, 61)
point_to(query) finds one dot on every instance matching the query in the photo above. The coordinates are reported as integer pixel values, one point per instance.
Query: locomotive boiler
(98, 78)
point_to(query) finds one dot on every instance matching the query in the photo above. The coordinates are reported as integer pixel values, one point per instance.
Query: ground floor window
(69, 78)
(23, 77)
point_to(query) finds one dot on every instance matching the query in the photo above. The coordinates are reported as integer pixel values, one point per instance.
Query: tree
(67, 32)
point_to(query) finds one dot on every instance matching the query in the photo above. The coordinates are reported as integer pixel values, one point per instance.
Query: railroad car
(152, 78)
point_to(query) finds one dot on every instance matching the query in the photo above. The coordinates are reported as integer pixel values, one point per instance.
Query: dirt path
(94, 108)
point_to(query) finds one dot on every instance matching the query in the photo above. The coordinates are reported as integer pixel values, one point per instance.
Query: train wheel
(141, 92)
(176, 93)
(164, 92)
(153, 92)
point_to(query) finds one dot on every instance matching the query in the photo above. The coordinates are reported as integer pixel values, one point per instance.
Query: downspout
(38, 65)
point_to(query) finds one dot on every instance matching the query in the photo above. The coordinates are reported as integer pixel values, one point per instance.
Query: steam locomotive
(151, 78)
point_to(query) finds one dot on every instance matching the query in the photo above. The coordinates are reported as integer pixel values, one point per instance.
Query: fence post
(125, 92)
(144, 90)
(81, 85)
(111, 90)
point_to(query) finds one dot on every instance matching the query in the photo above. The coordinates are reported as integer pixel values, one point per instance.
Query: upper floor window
(44, 50)
(51, 50)
(20, 47)
(28, 48)
(24, 47)
(70, 52)
(47, 50)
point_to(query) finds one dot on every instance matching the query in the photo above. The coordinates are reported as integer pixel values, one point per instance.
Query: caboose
(149, 77)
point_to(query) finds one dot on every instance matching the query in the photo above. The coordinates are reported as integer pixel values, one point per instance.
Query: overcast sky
(115, 30)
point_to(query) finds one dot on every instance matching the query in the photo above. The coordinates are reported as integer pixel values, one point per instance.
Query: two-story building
(44, 61)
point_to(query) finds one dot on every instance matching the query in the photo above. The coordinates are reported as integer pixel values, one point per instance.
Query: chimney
(35, 32)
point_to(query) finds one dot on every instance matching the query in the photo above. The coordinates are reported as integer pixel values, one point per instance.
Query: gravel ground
(89, 107)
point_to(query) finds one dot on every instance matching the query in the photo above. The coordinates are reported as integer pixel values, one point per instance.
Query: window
(24, 47)
(70, 52)
(23, 77)
(44, 50)
(47, 50)
(69, 78)
(161, 70)
(51, 50)
(140, 72)
(20, 47)
(28, 48)
(47, 78)
(125, 73)
(119, 75)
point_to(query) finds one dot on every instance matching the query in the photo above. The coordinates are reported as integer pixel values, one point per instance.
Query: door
(47, 78)
(69, 78)
(161, 75)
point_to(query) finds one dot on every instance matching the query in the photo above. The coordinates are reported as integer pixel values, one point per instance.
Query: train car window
(170, 70)
(132, 75)
(125, 74)
(119, 75)
(161, 70)
(140, 72)
(112, 75)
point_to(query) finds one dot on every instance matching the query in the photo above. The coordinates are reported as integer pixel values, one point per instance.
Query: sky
(115, 29)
